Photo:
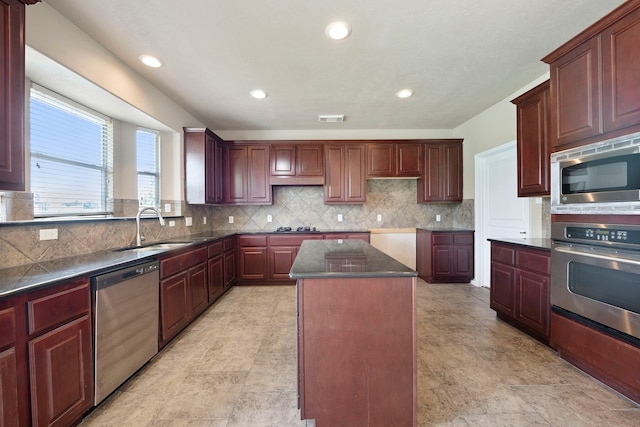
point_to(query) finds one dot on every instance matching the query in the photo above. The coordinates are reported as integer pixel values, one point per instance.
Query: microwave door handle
(569, 250)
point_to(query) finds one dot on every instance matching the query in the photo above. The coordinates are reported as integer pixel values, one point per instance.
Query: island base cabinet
(61, 382)
(357, 351)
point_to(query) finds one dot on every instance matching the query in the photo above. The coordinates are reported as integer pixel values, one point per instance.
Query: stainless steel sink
(154, 247)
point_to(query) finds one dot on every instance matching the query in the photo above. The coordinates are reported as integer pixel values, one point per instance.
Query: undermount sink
(154, 247)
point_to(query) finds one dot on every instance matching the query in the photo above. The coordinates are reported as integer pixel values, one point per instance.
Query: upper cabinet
(202, 166)
(297, 164)
(533, 141)
(394, 159)
(12, 167)
(345, 174)
(246, 174)
(442, 177)
(595, 88)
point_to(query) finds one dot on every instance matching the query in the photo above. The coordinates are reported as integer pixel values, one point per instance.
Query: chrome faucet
(139, 236)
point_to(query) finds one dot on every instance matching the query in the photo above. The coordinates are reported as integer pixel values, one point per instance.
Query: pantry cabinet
(345, 174)
(594, 89)
(12, 167)
(520, 292)
(533, 142)
(246, 174)
(442, 177)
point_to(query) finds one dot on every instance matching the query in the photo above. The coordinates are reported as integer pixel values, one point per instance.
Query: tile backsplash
(393, 199)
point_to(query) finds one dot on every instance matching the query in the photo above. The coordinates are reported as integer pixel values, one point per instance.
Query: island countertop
(345, 258)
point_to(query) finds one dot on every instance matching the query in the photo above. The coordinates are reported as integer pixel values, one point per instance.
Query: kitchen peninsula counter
(530, 242)
(356, 335)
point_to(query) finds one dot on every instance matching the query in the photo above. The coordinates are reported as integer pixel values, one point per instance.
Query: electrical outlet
(269, 218)
(438, 218)
(188, 221)
(339, 217)
(230, 219)
(172, 223)
(49, 234)
(379, 217)
(167, 207)
(204, 220)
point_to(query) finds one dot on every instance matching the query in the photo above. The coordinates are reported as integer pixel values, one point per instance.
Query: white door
(499, 211)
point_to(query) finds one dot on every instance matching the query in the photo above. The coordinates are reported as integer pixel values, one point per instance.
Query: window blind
(148, 165)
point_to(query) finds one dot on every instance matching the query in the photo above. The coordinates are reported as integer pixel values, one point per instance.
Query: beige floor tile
(267, 409)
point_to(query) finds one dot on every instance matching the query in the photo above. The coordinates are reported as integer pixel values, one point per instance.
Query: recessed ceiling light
(258, 94)
(338, 30)
(404, 93)
(151, 61)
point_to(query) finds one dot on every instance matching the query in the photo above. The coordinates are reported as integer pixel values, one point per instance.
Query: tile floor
(236, 366)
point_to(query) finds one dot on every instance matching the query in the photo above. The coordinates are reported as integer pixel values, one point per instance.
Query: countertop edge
(533, 243)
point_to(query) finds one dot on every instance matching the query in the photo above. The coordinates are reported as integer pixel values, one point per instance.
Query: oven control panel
(603, 234)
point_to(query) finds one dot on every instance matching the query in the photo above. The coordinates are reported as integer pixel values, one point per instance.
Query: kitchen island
(356, 335)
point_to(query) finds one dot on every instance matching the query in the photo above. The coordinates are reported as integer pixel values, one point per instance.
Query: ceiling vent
(331, 118)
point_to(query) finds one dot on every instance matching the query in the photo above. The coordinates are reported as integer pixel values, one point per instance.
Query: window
(148, 154)
(71, 157)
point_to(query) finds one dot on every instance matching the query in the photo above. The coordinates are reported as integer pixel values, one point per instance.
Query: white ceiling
(460, 56)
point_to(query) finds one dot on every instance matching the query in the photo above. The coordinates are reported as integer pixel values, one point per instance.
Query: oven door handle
(573, 251)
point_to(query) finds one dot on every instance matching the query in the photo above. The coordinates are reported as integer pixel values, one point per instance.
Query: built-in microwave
(604, 175)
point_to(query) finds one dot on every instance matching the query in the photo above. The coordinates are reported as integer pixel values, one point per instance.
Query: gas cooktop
(305, 229)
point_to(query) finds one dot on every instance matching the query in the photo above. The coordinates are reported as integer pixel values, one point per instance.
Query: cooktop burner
(305, 229)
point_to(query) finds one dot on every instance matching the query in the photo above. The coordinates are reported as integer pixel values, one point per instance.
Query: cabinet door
(9, 409)
(174, 305)
(283, 160)
(280, 260)
(452, 169)
(213, 171)
(409, 159)
(502, 292)
(310, 160)
(198, 289)
(621, 73)
(236, 174)
(60, 364)
(334, 174)
(253, 263)
(381, 160)
(259, 188)
(430, 185)
(12, 173)
(229, 268)
(216, 277)
(463, 262)
(532, 300)
(442, 261)
(533, 144)
(355, 183)
(575, 95)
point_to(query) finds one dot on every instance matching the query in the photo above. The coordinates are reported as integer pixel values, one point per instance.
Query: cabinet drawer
(229, 244)
(7, 327)
(215, 249)
(293, 240)
(252, 240)
(463, 239)
(58, 308)
(442, 238)
(503, 254)
(177, 263)
(533, 261)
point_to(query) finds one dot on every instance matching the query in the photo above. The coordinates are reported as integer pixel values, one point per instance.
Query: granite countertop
(348, 258)
(532, 242)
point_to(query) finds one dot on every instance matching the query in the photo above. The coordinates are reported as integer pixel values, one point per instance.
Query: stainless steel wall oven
(595, 274)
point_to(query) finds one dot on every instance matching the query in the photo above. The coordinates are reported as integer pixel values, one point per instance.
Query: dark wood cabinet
(282, 251)
(345, 174)
(229, 256)
(297, 164)
(202, 166)
(183, 290)
(12, 157)
(60, 354)
(394, 159)
(594, 90)
(215, 265)
(252, 254)
(246, 171)
(533, 142)
(520, 287)
(442, 177)
(444, 256)
(9, 407)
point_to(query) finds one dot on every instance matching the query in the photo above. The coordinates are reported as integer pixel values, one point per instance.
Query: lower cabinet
(184, 290)
(520, 287)
(11, 391)
(229, 248)
(444, 256)
(252, 258)
(215, 265)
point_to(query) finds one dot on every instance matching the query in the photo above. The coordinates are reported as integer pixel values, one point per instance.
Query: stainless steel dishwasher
(125, 324)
